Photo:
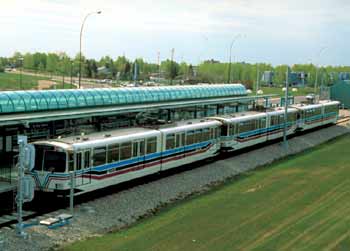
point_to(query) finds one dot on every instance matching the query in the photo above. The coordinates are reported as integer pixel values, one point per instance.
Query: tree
(170, 68)
(52, 62)
(28, 61)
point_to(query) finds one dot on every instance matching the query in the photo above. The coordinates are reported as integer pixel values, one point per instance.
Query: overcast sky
(274, 31)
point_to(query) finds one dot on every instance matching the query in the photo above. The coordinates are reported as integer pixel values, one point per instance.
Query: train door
(77, 168)
(180, 143)
(86, 165)
(138, 152)
(82, 167)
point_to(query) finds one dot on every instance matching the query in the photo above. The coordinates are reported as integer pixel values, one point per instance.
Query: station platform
(7, 186)
(36, 117)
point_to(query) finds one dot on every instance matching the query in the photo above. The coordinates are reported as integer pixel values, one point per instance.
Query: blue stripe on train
(320, 116)
(123, 163)
(258, 131)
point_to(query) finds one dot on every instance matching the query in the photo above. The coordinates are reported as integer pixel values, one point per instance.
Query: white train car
(330, 112)
(108, 158)
(276, 123)
(315, 115)
(188, 142)
(98, 160)
(242, 130)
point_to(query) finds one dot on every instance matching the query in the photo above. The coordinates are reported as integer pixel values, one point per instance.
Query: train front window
(39, 156)
(54, 161)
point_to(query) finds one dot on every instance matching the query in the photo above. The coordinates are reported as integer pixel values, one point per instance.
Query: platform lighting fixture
(81, 35)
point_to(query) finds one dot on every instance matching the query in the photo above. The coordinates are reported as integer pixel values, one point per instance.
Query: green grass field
(302, 203)
(11, 81)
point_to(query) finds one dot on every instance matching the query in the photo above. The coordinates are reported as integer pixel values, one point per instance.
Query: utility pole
(257, 78)
(172, 65)
(20, 72)
(63, 72)
(71, 73)
(71, 194)
(318, 57)
(285, 143)
(158, 55)
(135, 73)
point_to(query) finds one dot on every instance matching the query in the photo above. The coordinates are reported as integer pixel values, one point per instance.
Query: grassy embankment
(11, 81)
(301, 203)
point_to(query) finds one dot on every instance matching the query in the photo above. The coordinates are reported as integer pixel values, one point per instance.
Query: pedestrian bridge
(49, 100)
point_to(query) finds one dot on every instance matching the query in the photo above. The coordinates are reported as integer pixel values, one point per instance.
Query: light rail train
(103, 159)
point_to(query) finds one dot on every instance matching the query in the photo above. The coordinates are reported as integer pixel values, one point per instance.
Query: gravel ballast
(119, 210)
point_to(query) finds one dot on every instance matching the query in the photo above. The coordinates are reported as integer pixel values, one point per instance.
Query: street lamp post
(81, 35)
(229, 66)
(316, 78)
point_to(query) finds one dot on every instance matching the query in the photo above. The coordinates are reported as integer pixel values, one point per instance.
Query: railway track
(343, 120)
(34, 210)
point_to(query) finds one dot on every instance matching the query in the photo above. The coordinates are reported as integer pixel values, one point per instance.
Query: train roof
(280, 110)
(101, 138)
(329, 102)
(239, 116)
(189, 125)
(320, 104)
(306, 107)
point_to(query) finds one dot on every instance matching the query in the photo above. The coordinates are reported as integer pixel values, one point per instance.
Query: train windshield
(47, 159)
(54, 161)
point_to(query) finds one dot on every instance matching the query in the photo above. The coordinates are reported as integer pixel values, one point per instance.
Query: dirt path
(45, 84)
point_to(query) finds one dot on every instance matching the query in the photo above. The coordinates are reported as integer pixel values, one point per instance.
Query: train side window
(70, 161)
(142, 147)
(87, 159)
(151, 145)
(212, 133)
(78, 161)
(190, 138)
(224, 131)
(170, 141)
(100, 156)
(275, 120)
(113, 153)
(178, 142)
(183, 138)
(198, 136)
(135, 149)
(206, 134)
(291, 117)
(125, 151)
(217, 132)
